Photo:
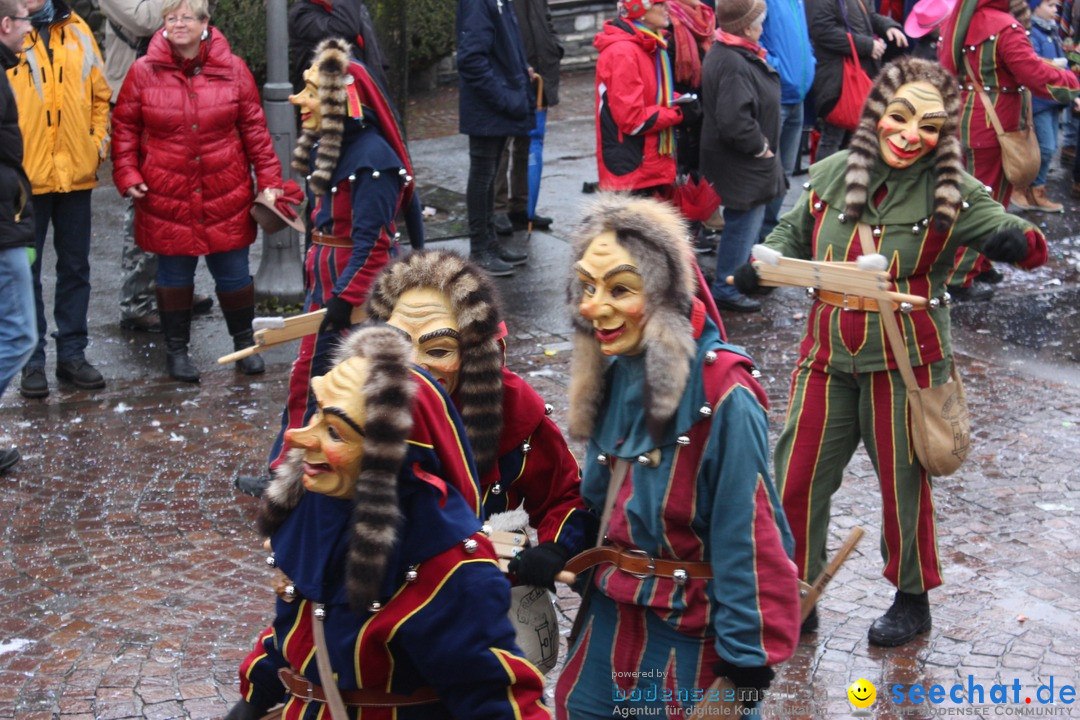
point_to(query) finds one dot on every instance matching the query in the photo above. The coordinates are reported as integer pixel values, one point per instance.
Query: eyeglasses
(183, 20)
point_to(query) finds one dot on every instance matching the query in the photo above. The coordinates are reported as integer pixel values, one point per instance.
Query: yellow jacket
(63, 105)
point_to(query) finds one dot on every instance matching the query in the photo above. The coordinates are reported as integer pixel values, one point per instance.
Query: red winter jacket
(192, 138)
(628, 118)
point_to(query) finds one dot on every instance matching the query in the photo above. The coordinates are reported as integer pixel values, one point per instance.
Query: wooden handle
(810, 596)
(291, 328)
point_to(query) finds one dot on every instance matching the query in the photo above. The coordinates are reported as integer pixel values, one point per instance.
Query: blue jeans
(230, 270)
(741, 230)
(18, 326)
(484, 156)
(1046, 129)
(791, 125)
(69, 214)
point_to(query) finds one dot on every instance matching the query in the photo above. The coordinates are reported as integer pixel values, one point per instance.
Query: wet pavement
(132, 581)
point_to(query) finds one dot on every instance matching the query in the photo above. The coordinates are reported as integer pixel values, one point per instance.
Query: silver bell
(710, 357)
(290, 592)
(375, 174)
(906, 308)
(965, 204)
(705, 411)
(683, 440)
(806, 186)
(877, 232)
(408, 179)
(680, 577)
(934, 302)
(642, 459)
(526, 448)
(375, 607)
(496, 489)
(915, 229)
(754, 372)
(320, 613)
(602, 458)
(842, 217)
(270, 561)
(471, 545)
(818, 206)
(352, 178)
(548, 408)
(403, 172)
(411, 575)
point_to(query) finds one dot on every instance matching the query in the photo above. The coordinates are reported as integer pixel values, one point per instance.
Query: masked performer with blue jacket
(387, 586)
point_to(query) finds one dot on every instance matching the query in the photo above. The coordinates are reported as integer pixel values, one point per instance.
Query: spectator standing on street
(63, 101)
(312, 21)
(636, 113)
(129, 24)
(18, 326)
(543, 51)
(990, 35)
(495, 103)
(786, 40)
(741, 97)
(830, 23)
(192, 183)
(1046, 114)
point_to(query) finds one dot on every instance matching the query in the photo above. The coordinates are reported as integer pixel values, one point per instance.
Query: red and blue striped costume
(446, 629)
(1003, 61)
(845, 386)
(708, 499)
(370, 185)
(536, 467)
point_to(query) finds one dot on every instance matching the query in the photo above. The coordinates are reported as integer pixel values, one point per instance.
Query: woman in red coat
(187, 129)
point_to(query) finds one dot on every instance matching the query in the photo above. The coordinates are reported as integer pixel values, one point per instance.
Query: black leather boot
(909, 616)
(174, 307)
(238, 307)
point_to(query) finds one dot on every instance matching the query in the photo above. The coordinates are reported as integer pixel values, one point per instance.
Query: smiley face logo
(862, 693)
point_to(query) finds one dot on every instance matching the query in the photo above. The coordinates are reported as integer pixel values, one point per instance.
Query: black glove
(539, 565)
(1009, 245)
(691, 113)
(746, 279)
(338, 316)
(756, 678)
(243, 710)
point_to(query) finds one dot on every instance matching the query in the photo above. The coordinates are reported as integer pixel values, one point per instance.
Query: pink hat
(926, 15)
(634, 9)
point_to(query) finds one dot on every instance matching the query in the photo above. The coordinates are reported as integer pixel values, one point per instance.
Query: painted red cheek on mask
(930, 142)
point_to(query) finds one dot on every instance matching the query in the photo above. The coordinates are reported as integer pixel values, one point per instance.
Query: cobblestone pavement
(132, 583)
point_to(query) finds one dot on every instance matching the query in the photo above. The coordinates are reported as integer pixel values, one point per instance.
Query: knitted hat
(866, 148)
(655, 235)
(388, 392)
(634, 9)
(474, 302)
(734, 16)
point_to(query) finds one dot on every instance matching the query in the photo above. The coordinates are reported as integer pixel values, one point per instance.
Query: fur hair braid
(332, 75)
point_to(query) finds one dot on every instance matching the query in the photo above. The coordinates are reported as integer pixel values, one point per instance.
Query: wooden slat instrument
(276, 330)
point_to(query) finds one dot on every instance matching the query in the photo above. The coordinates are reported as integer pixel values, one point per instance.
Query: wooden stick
(832, 276)
(284, 330)
(811, 593)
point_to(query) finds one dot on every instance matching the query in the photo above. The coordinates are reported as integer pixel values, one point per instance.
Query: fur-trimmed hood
(656, 236)
(474, 301)
(388, 394)
(865, 148)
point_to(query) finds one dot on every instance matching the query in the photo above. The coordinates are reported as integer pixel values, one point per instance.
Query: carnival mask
(428, 318)
(911, 125)
(613, 295)
(333, 441)
(308, 101)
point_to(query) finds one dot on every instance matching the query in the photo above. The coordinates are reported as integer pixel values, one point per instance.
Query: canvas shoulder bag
(1020, 154)
(940, 422)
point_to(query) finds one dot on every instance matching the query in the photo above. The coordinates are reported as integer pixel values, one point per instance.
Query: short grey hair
(199, 8)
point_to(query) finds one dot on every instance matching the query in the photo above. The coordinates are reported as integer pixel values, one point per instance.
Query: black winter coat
(741, 99)
(828, 35)
(310, 23)
(16, 215)
(496, 96)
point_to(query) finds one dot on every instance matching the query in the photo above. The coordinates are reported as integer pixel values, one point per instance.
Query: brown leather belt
(850, 302)
(303, 689)
(636, 562)
(320, 238)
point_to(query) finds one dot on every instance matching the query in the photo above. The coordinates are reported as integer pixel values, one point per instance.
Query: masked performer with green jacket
(903, 175)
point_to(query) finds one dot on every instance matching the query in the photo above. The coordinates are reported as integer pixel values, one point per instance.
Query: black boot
(174, 307)
(238, 306)
(909, 616)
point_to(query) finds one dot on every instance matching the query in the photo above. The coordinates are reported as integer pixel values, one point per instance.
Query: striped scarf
(665, 93)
